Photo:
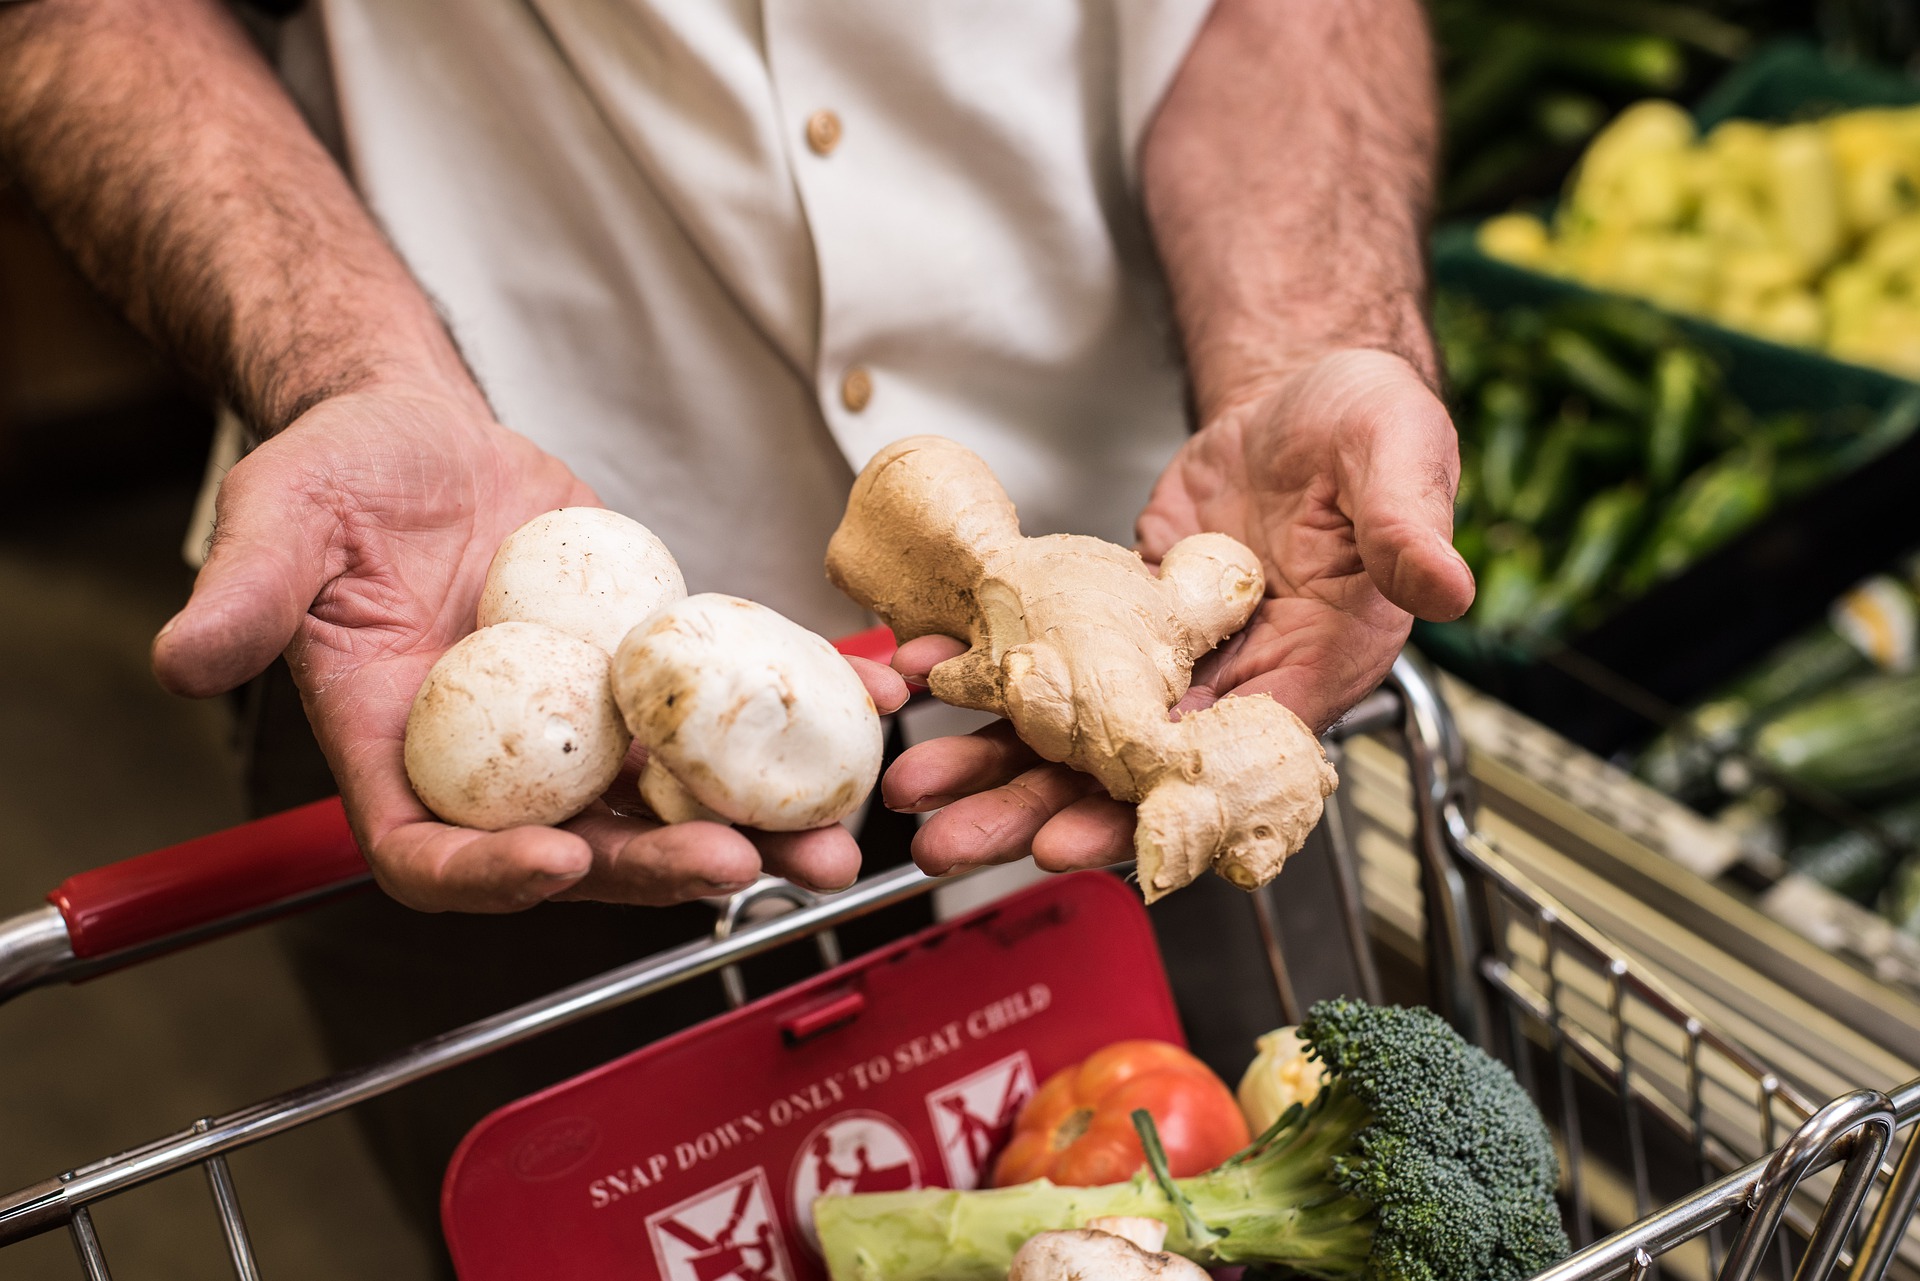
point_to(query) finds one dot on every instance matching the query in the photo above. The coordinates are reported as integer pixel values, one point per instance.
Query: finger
(1095, 831)
(997, 826)
(940, 771)
(824, 859)
(434, 867)
(426, 864)
(916, 658)
(1400, 496)
(640, 862)
(884, 685)
(266, 565)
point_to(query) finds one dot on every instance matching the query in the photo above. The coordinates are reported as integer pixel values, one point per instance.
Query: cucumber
(1900, 901)
(1860, 741)
(1856, 863)
(1681, 760)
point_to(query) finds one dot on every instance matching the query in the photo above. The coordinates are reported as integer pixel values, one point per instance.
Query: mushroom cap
(1076, 1254)
(514, 725)
(758, 719)
(590, 572)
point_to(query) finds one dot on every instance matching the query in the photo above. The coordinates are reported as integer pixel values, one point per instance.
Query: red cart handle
(236, 873)
(246, 871)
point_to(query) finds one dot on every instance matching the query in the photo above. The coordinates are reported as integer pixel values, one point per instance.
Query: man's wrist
(401, 348)
(1256, 374)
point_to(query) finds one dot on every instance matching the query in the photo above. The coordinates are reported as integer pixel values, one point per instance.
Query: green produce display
(1602, 453)
(1681, 761)
(1818, 747)
(1860, 742)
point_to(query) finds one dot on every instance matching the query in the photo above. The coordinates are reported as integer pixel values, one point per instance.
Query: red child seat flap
(698, 1158)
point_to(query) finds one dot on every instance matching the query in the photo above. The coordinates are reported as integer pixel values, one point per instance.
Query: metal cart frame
(1511, 969)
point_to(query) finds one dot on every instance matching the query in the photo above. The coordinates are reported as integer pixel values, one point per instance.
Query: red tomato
(1078, 1130)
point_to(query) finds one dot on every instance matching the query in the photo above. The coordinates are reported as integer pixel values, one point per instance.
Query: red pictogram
(726, 1233)
(852, 1152)
(974, 1116)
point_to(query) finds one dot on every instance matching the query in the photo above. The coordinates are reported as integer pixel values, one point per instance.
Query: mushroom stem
(671, 802)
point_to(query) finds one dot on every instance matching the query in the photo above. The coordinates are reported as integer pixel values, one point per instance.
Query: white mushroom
(590, 572)
(746, 716)
(514, 725)
(1089, 1254)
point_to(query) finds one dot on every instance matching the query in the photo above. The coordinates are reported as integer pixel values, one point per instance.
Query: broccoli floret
(1440, 1139)
(1421, 1159)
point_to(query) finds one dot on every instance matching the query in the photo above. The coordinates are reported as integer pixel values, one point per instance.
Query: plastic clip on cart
(1641, 1092)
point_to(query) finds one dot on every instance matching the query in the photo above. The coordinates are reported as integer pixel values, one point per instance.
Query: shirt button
(856, 389)
(823, 132)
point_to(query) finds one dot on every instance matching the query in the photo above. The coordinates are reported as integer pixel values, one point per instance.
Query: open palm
(357, 541)
(1341, 478)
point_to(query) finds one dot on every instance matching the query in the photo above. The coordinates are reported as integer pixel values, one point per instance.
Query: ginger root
(1084, 649)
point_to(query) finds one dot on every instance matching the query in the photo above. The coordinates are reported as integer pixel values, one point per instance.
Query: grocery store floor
(97, 763)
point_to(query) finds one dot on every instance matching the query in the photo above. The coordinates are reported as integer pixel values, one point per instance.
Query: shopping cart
(1641, 1091)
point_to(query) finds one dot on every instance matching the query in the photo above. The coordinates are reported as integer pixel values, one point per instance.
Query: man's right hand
(356, 541)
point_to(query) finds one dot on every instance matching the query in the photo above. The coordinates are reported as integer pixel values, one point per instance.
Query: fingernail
(722, 887)
(170, 624)
(924, 802)
(562, 876)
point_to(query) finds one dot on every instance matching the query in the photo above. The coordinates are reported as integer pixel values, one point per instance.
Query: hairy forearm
(167, 159)
(1287, 179)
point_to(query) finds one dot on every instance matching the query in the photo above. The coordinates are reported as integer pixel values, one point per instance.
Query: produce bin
(1612, 685)
(1683, 1148)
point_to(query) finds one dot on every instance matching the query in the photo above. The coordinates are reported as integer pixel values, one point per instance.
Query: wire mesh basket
(1681, 1150)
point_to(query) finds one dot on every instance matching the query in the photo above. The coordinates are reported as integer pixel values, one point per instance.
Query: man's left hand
(1341, 476)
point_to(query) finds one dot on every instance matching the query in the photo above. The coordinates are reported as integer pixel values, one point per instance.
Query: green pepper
(1893, 425)
(1506, 410)
(1584, 364)
(1631, 59)
(1467, 492)
(1509, 588)
(1715, 503)
(1680, 380)
(1471, 542)
(1601, 535)
(1463, 333)
(1549, 483)
(1623, 325)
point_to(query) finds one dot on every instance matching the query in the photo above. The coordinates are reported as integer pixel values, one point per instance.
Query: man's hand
(1286, 178)
(166, 157)
(1341, 478)
(357, 541)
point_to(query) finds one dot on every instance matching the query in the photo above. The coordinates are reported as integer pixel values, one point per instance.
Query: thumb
(266, 564)
(1400, 499)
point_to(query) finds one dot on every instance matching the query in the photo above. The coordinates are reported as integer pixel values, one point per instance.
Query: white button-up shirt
(715, 253)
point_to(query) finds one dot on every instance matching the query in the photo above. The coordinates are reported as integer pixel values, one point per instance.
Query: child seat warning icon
(853, 1152)
(726, 1233)
(974, 1116)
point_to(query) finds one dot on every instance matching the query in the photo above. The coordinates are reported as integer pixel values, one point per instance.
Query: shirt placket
(831, 158)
